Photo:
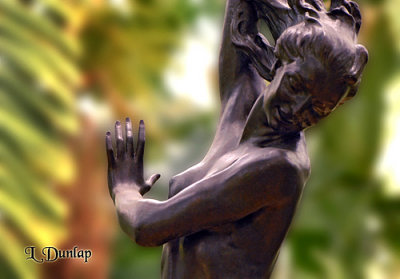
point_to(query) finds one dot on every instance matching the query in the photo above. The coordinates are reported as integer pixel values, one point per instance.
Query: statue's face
(302, 93)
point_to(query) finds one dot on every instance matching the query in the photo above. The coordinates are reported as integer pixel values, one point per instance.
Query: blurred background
(70, 68)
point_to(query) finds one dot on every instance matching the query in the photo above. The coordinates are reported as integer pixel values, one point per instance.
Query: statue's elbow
(146, 238)
(132, 228)
(143, 233)
(139, 228)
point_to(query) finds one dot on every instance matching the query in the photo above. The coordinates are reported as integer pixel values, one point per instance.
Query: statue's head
(318, 67)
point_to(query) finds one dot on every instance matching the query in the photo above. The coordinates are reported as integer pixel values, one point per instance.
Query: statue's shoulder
(292, 162)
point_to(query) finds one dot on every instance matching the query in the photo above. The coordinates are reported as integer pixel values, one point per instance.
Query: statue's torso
(246, 248)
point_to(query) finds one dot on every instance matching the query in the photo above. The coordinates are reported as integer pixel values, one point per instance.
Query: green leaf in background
(38, 77)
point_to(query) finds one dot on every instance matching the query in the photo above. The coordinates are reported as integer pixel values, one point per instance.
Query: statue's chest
(203, 170)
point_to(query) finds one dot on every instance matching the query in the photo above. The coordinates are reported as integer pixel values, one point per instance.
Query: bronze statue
(227, 216)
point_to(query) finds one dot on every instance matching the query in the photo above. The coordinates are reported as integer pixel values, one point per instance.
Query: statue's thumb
(153, 179)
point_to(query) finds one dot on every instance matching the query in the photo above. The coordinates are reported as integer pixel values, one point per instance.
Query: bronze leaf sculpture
(227, 216)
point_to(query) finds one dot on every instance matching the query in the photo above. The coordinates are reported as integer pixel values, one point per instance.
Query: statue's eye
(295, 82)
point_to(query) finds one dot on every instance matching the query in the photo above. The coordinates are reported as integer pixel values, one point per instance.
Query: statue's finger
(129, 137)
(140, 145)
(109, 150)
(119, 140)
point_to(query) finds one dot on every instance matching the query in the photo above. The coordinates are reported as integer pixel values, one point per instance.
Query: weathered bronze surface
(227, 216)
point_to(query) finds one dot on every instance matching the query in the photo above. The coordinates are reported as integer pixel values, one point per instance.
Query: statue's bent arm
(231, 194)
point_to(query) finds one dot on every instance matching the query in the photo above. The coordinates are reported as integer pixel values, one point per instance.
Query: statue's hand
(125, 170)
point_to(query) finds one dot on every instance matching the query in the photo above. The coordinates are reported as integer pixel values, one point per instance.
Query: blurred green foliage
(38, 74)
(51, 51)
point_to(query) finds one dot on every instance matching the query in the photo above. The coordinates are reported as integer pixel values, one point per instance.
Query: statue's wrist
(126, 189)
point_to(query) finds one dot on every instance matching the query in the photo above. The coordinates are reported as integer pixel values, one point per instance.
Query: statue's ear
(361, 59)
(354, 77)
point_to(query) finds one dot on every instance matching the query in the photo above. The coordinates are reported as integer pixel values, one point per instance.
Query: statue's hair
(281, 15)
(305, 27)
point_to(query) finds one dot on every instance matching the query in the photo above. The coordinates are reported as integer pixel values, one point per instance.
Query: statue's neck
(257, 129)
